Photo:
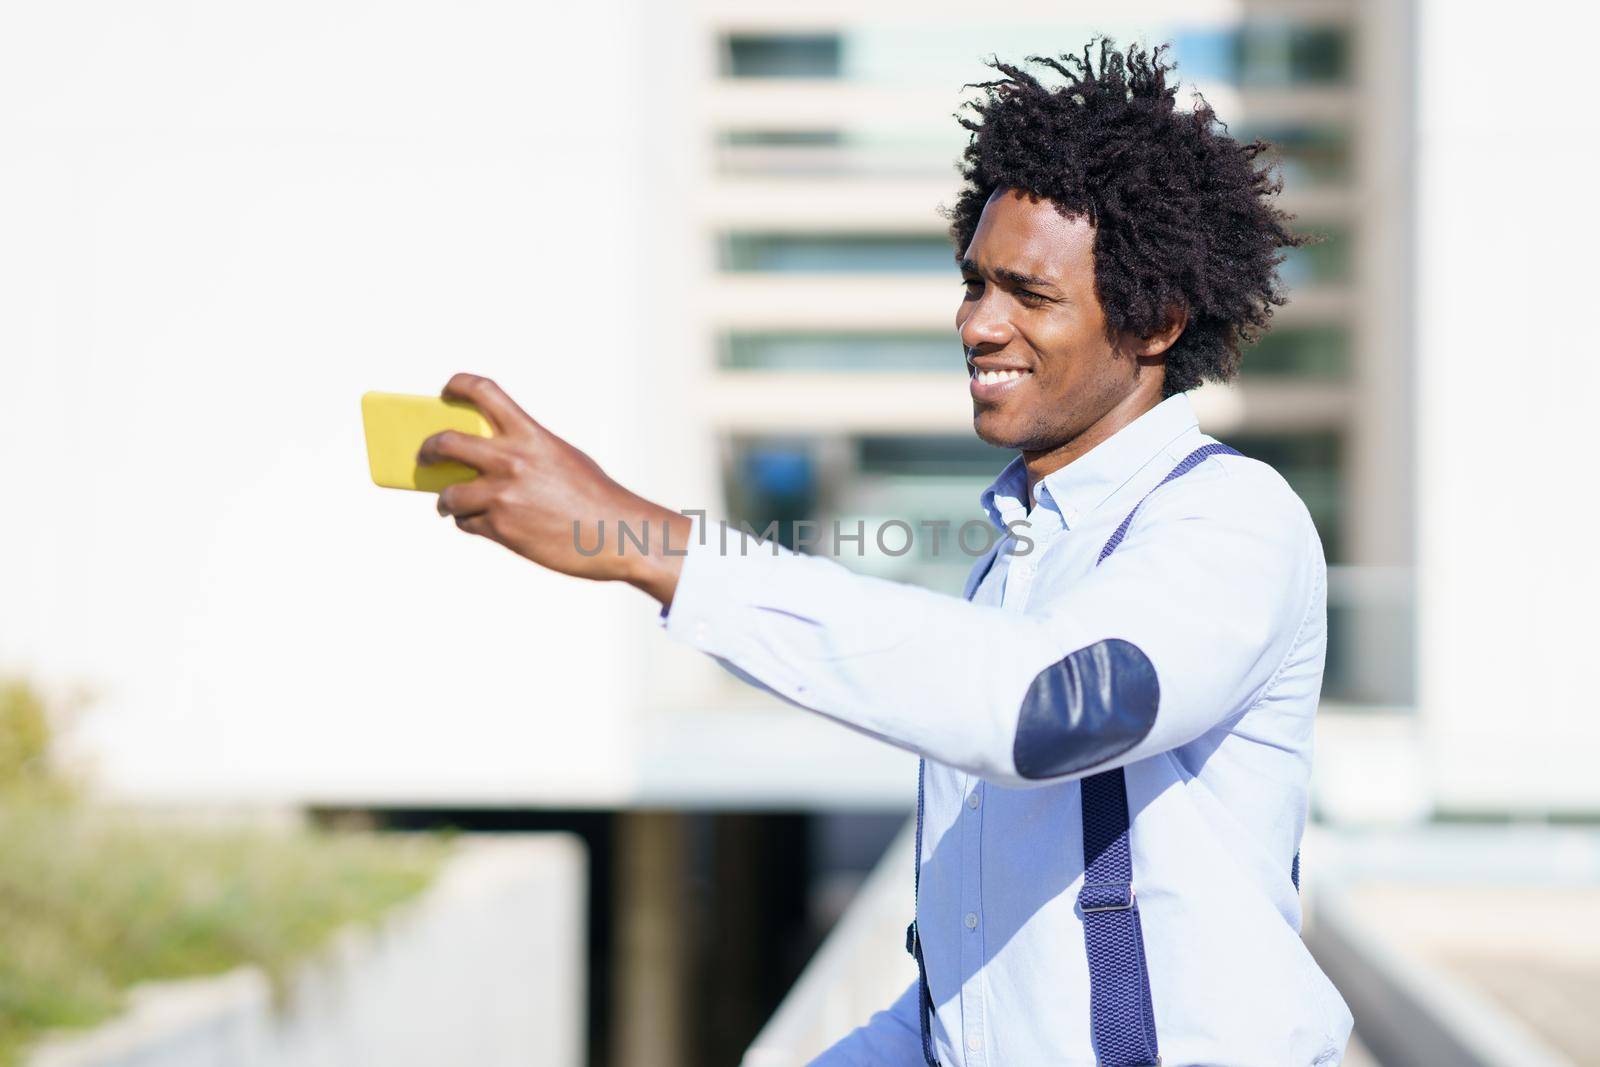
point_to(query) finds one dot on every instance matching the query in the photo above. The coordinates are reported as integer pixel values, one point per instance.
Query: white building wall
(219, 225)
(1506, 380)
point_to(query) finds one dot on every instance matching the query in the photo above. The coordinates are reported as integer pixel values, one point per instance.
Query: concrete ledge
(487, 968)
(1408, 1012)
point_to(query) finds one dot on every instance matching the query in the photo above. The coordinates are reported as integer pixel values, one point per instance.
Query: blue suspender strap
(1120, 1013)
(1187, 464)
(914, 940)
(1121, 1017)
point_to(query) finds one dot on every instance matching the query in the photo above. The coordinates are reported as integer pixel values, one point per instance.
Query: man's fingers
(479, 453)
(483, 394)
(465, 499)
(475, 524)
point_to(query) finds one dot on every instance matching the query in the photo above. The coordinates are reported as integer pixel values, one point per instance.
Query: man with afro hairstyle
(1115, 719)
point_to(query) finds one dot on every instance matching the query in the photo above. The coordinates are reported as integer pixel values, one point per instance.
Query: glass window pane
(843, 352)
(1325, 262)
(901, 455)
(1321, 352)
(1289, 54)
(864, 151)
(837, 253)
(781, 55)
(910, 493)
(1306, 155)
(781, 138)
(1265, 53)
(1260, 52)
(931, 483)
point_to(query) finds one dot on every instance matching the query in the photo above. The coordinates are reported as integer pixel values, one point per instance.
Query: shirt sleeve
(891, 1038)
(1187, 624)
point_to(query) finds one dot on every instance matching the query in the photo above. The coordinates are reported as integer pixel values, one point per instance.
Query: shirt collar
(1088, 481)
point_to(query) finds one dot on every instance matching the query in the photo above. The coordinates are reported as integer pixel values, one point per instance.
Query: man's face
(1030, 312)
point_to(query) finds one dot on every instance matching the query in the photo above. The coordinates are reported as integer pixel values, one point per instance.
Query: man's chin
(994, 430)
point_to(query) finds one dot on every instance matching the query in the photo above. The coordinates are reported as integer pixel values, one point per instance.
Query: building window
(1315, 352)
(848, 253)
(832, 353)
(1266, 53)
(1327, 261)
(1307, 155)
(859, 152)
(781, 55)
(1273, 53)
(862, 483)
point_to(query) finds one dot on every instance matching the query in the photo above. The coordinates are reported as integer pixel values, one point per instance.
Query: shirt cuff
(723, 571)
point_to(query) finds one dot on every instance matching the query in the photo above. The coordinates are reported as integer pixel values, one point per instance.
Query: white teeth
(995, 377)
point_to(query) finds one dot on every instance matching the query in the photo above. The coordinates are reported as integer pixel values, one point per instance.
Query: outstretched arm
(1188, 623)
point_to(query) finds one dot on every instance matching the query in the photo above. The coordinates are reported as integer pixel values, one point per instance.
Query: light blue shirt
(1220, 586)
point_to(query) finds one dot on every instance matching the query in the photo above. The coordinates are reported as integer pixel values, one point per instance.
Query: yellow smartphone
(396, 425)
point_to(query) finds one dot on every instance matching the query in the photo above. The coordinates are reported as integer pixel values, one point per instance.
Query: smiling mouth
(989, 386)
(995, 377)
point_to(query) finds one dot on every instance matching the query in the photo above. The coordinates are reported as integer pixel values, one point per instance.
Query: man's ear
(1157, 343)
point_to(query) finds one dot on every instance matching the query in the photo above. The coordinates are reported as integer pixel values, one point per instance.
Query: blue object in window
(779, 472)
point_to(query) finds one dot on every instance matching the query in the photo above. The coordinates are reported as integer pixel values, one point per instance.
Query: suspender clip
(1105, 896)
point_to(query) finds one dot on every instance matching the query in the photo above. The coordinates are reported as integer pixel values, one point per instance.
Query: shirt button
(701, 631)
(973, 802)
(972, 920)
(973, 1044)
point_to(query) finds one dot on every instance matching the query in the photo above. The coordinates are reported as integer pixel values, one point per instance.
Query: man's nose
(985, 325)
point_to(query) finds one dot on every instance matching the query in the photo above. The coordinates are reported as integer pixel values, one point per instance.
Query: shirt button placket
(972, 987)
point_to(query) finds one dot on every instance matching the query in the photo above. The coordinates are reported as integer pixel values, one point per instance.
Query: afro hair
(1182, 212)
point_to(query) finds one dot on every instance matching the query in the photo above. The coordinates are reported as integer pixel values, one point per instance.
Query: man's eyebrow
(1011, 277)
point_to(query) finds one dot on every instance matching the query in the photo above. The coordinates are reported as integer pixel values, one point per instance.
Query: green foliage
(24, 737)
(92, 902)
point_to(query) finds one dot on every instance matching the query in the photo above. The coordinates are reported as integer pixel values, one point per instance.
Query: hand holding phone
(536, 494)
(396, 425)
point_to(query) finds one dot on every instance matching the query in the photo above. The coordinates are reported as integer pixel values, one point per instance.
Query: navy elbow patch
(1092, 706)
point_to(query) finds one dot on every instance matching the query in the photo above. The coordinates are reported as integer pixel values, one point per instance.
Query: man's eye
(971, 283)
(1029, 297)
